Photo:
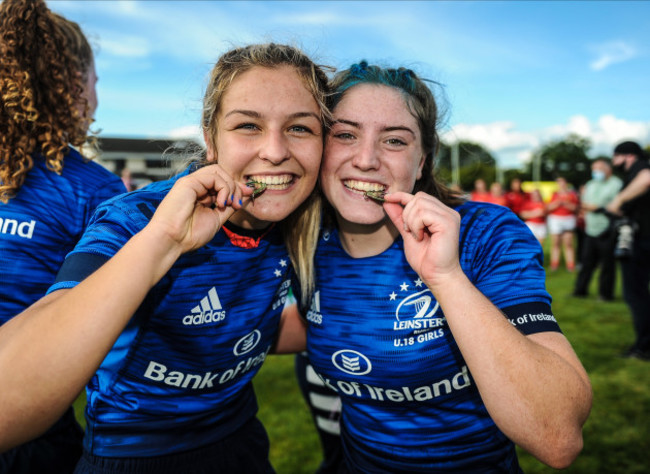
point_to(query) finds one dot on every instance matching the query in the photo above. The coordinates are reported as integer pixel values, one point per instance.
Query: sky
(513, 75)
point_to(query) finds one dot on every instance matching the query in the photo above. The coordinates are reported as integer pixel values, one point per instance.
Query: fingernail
(240, 202)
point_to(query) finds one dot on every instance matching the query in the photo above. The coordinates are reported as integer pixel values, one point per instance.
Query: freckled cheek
(310, 158)
(334, 155)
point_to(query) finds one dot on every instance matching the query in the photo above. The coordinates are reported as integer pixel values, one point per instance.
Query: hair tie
(360, 68)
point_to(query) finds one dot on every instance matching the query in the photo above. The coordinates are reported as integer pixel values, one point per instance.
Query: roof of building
(147, 145)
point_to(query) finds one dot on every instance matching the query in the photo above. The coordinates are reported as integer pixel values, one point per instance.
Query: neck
(246, 221)
(366, 240)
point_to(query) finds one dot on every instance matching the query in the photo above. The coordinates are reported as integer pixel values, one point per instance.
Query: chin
(267, 212)
(359, 218)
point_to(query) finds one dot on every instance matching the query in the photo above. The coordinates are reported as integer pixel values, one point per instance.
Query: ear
(420, 166)
(210, 152)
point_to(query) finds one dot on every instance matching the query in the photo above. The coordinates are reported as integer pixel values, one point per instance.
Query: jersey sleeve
(503, 259)
(111, 226)
(109, 189)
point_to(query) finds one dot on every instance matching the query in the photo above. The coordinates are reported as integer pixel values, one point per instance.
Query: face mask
(598, 175)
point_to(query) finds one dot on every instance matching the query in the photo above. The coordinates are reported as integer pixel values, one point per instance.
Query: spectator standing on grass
(496, 195)
(48, 190)
(561, 221)
(516, 197)
(600, 235)
(430, 316)
(480, 192)
(173, 297)
(533, 212)
(634, 202)
(580, 228)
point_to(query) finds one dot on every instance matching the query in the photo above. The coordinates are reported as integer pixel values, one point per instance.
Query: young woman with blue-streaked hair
(430, 318)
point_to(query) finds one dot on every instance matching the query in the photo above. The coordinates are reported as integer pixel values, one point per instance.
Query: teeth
(364, 186)
(272, 181)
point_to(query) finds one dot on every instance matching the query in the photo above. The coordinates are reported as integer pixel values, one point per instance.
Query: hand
(197, 206)
(430, 231)
(614, 207)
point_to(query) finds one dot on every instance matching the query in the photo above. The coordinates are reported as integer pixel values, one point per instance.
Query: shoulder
(615, 181)
(637, 167)
(91, 173)
(139, 205)
(487, 227)
(482, 214)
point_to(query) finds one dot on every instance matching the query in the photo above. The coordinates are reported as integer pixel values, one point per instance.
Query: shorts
(538, 229)
(246, 451)
(560, 224)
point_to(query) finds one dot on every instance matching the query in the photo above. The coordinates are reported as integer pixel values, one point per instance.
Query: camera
(625, 229)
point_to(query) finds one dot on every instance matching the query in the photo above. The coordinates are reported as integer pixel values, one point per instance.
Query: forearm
(50, 351)
(538, 397)
(638, 186)
(292, 336)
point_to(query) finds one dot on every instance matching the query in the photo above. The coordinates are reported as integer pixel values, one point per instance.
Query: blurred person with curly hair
(48, 190)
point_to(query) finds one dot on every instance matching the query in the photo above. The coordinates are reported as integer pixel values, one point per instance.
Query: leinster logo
(351, 362)
(247, 343)
(416, 306)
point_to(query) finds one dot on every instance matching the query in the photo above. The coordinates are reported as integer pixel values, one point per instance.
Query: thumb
(395, 212)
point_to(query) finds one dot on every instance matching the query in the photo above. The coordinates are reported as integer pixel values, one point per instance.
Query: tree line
(565, 157)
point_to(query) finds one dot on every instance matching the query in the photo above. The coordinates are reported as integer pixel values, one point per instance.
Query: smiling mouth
(374, 191)
(270, 182)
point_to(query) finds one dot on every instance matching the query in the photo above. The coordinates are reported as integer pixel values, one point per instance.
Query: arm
(292, 336)
(571, 205)
(532, 213)
(554, 203)
(74, 329)
(534, 388)
(638, 186)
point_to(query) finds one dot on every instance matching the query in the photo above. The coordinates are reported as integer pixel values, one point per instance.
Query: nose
(366, 156)
(275, 148)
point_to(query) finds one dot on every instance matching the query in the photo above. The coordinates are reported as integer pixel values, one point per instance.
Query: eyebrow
(385, 129)
(257, 115)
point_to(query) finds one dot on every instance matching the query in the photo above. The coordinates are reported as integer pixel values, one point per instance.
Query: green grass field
(617, 434)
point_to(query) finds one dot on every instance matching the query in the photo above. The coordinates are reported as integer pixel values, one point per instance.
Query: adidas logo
(314, 315)
(209, 310)
(315, 302)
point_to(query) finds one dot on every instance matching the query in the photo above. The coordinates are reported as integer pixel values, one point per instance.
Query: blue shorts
(246, 450)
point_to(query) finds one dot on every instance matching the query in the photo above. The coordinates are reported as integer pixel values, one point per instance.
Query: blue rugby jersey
(43, 222)
(179, 376)
(377, 336)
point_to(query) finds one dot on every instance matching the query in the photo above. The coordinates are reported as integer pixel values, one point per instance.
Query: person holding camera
(633, 202)
(600, 234)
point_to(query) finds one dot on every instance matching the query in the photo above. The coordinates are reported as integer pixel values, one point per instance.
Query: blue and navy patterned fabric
(179, 375)
(43, 222)
(378, 337)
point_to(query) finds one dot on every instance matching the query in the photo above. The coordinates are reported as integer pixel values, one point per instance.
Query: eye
(247, 126)
(396, 142)
(300, 129)
(344, 136)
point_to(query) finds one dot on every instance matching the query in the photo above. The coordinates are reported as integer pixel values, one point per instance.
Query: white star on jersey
(404, 286)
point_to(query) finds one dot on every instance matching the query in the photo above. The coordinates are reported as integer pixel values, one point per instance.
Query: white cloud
(494, 136)
(124, 46)
(612, 53)
(187, 132)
